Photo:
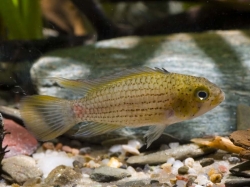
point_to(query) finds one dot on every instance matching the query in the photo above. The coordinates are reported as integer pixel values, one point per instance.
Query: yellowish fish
(137, 97)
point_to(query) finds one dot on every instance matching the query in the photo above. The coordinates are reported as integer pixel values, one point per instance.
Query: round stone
(183, 170)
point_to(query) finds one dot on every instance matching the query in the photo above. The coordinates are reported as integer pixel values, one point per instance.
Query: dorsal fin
(83, 86)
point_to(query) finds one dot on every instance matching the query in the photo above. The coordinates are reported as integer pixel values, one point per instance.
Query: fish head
(196, 96)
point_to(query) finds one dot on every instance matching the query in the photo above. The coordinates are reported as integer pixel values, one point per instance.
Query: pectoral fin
(154, 133)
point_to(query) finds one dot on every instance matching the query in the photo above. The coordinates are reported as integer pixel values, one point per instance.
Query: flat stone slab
(107, 174)
(179, 153)
(221, 56)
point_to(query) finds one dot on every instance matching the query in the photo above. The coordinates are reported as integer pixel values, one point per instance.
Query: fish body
(134, 98)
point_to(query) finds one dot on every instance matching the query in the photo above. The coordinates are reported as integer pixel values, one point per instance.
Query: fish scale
(133, 98)
(121, 110)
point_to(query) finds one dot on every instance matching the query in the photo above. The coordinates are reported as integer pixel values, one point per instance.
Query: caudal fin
(46, 117)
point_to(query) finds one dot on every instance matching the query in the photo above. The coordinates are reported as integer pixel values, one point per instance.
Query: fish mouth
(221, 96)
(219, 99)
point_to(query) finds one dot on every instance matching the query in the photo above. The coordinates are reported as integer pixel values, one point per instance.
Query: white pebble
(51, 159)
(192, 171)
(115, 149)
(174, 145)
(202, 180)
(197, 166)
(92, 164)
(177, 164)
(130, 149)
(189, 162)
(135, 143)
(180, 183)
(171, 160)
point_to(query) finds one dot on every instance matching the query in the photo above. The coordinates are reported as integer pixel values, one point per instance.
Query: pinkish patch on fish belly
(171, 117)
(78, 110)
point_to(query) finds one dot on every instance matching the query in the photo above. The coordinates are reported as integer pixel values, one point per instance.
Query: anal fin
(153, 133)
(88, 129)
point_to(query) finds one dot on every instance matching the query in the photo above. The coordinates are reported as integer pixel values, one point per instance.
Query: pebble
(183, 170)
(59, 146)
(67, 149)
(171, 160)
(92, 164)
(85, 150)
(174, 145)
(108, 174)
(115, 149)
(234, 160)
(201, 180)
(50, 159)
(216, 178)
(154, 182)
(189, 162)
(114, 162)
(19, 141)
(20, 168)
(135, 143)
(206, 162)
(180, 183)
(130, 149)
(63, 176)
(77, 164)
(48, 145)
(167, 167)
(75, 151)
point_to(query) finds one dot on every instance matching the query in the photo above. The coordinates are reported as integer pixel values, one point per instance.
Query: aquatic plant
(21, 19)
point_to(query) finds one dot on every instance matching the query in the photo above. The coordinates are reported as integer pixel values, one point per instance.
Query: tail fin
(47, 117)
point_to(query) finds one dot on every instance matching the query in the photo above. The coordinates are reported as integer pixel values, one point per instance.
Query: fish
(133, 98)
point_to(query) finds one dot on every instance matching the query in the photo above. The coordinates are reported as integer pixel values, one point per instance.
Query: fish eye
(202, 94)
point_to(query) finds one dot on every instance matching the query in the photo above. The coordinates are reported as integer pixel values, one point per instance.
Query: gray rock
(206, 162)
(242, 169)
(180, 153)
(214, 55)
(63, 176)
(20, 169)
(108, 174)
(243, 117)
(234, 160)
